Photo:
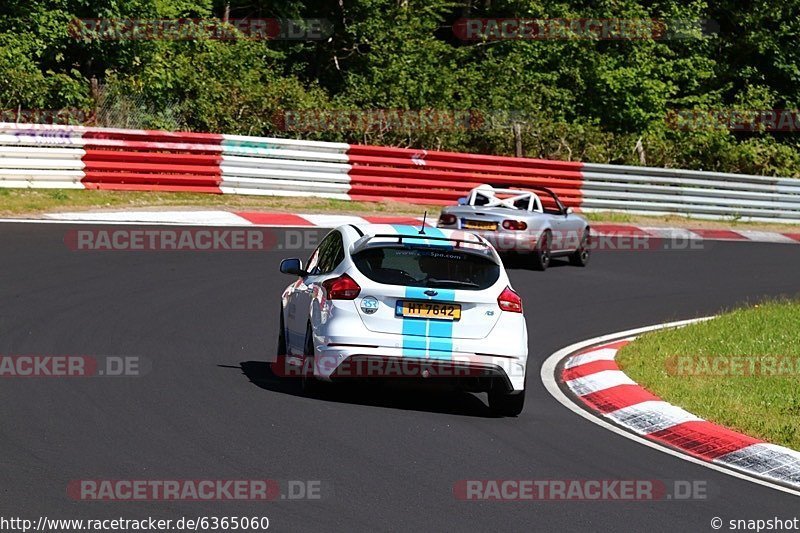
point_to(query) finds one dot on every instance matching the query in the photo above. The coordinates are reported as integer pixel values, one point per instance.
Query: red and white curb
(589, 372)
(255, 218)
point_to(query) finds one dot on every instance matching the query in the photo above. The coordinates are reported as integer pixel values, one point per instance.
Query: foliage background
(573, 99)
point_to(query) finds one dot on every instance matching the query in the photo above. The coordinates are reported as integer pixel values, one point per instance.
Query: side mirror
(463, 200)
(568, 211)
(293, 266)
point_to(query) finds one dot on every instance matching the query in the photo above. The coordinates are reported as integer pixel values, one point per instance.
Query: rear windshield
(427, 267)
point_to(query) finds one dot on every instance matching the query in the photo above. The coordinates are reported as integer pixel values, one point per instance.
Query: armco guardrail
(113, 159)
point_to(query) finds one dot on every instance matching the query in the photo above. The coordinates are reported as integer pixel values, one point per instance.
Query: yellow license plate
(433, 310)
(480, 224)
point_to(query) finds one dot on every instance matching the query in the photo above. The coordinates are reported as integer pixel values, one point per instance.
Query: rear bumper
(475, 376)
(340, 363)
(342, 335)
(510, 241)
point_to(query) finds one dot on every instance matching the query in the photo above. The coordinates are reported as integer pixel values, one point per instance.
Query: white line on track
(243, 224)
(209, 217)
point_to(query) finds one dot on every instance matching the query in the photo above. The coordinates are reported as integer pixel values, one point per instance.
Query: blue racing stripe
(440, 332)
(415, 334)
(414, 331)
(434, 232)
(423, 337)
(427, 338)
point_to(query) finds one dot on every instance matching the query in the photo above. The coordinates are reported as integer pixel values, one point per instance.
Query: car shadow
(523, 262)
(389, 395)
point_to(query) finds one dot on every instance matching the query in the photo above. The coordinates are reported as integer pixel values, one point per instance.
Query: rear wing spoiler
(422, 236)
(479, 246)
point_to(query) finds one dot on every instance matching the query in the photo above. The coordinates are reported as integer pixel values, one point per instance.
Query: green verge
(31, 202)
(740, 370)
(18, 202)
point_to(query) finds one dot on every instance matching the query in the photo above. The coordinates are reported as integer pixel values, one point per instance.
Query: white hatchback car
(392, 301)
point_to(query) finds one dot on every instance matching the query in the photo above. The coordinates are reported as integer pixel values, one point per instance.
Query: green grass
(16, 202)
(764, 403)
(609, 216)
(24, 202)
(681, 221)
(59, 195)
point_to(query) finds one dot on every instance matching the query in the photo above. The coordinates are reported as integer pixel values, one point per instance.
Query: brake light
(510, 301)
(446, 219)
(342, 288)
(516, 225)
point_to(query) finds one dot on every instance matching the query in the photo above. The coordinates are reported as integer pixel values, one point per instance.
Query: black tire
(278, 367)
(542, 256)
(281, 351)
(581, 256)
(504, 403)
(309, 383)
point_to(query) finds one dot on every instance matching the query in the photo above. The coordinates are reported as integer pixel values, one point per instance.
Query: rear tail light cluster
(447, 219)
(510, 301)
(342, 288)
(515, 225)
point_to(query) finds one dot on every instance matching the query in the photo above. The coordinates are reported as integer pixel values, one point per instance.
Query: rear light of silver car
(342, 288)
(446, 219)
(510, 301)
(515, 225)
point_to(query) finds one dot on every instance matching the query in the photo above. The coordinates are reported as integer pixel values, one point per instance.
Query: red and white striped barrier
(442, 177)
(43, 156)
(595, 379)
(39, 156)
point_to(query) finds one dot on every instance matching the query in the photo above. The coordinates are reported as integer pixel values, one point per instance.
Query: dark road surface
(387, 460)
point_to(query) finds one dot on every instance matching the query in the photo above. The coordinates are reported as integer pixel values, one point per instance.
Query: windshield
(427, 267)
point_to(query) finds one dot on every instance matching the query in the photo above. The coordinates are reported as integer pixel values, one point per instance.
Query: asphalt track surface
(387, 459)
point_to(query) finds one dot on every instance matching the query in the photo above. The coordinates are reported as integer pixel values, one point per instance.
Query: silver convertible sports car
(532, 222)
